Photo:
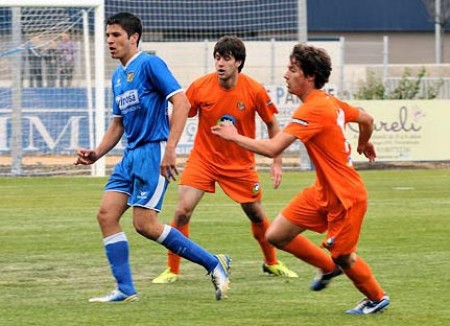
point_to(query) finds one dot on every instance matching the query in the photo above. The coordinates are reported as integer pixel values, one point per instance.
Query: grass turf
(52, 259)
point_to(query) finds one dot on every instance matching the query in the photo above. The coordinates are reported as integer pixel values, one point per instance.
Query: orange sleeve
(190, 93)
(266, 108)
(351, 112)
(305, 123)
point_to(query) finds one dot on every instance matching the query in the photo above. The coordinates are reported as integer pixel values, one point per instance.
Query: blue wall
(323, 15)
(368, 15)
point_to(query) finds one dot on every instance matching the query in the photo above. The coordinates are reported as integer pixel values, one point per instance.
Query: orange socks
(259, 230)
(173, 260)
(306, 250)
(364, 280)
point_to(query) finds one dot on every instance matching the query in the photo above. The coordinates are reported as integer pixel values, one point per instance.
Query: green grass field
(52, 259)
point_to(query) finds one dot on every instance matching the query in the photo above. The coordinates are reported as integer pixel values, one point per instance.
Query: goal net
(50, 108)
(51, 98)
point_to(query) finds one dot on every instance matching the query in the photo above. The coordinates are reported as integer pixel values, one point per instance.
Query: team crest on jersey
(241, 106)
(256, 188)
(130, 76)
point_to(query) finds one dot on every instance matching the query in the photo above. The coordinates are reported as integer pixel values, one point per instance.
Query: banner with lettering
(413, 130)
(405, 130)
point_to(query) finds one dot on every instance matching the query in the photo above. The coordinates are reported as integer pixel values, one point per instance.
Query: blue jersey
(141, 91)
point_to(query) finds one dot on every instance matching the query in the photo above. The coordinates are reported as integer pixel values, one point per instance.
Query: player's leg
(116, 246)
(197, 178)
(259, 225)
(243, 187)
(285, 231)
(285, 235)
(359, 272)
(188, 198)
(147, 198)
(356, 269)
(148, 225)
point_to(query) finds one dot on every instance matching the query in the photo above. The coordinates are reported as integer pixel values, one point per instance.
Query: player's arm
(365, 125)
(110, 139)
(267, 147)
(276, 171)
(180, 110)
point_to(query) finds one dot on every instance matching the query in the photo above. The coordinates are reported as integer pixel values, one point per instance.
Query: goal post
(34, 26)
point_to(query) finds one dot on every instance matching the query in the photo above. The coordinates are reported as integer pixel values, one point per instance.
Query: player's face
(120, 45)
(297, 83)
(226, 67)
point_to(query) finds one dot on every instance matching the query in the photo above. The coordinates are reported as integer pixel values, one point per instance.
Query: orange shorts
(241, 185)
(308, 210)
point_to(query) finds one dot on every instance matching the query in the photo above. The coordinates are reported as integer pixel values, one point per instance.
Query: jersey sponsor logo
(226, 120)
(130, 76)
(241, 105)
(127, 99)
(300, 122)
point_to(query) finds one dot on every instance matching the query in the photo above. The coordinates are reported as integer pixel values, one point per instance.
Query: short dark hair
(314, 62)
(227, 45)
(129, 22)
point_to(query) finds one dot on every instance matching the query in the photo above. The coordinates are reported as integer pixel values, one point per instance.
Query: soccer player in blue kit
(142, 86)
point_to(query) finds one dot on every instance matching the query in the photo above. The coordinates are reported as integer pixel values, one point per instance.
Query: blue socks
(176, 242)
(116, 247)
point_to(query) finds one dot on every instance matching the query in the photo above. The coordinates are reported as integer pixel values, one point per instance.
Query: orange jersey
(238, 105)
(319, 123)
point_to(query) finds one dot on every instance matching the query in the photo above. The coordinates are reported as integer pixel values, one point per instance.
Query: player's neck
(307, 92)
(126, 58)
(230, 82)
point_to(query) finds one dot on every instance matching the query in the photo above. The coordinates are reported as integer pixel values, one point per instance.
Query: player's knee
(345, 261)
(146, 229)
(104, 219)
(274, 238)
(254, 212)
(181, 217)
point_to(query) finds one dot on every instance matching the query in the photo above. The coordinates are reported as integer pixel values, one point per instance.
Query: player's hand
(168, 166)
(85, 157)
(225, 130)
(368, 150)
(276, 173)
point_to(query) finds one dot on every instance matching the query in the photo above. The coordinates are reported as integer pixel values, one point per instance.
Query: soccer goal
(51, 85)
(51, 106)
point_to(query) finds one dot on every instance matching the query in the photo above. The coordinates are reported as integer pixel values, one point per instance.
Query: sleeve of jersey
(266, 108)
(304, 123)
(161, 77)
(351, 112)
(115, 107)
(190, 93)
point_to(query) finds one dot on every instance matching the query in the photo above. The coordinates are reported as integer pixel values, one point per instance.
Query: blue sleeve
(161, 77)
(115, 108)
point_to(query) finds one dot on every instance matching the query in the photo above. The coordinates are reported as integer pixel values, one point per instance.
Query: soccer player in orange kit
(337, 201)
(228, 96)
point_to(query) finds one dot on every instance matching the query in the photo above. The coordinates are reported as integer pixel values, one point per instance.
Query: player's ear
(134, 38)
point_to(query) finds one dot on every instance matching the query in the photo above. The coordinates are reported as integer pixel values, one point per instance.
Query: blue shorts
(138, 175)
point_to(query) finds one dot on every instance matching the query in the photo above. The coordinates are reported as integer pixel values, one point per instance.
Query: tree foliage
(408, 87)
